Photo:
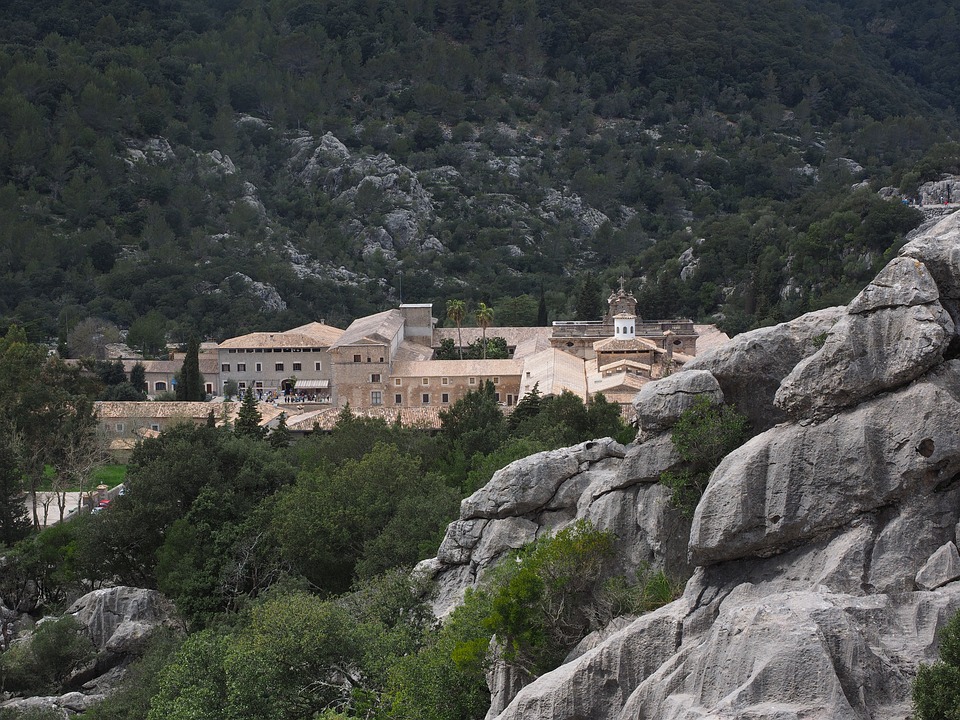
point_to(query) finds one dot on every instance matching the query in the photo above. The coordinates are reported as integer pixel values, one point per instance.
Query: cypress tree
(138, 377)
(190, 386)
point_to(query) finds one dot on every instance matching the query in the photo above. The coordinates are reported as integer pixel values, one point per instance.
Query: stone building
(579, 338)
(277, 364)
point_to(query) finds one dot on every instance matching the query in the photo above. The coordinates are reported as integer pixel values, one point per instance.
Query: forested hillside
(244, 165)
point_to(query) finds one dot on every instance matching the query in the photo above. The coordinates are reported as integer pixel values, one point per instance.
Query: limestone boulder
(899, 309)
(530, 483)
(120, 619)
(660, 404)
(794, 482)
(801, 654)
(942, 567)
(751, 366)
(937, 245)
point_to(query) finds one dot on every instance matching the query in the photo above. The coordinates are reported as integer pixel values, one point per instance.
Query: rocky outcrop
(615, 488)
(119, 621)
(825, 547)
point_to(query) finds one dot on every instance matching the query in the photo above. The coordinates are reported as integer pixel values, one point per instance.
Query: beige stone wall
(354, 374)
(445, 391)
(241, 366)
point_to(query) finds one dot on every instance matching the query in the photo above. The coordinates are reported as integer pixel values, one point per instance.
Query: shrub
(936, 690)
(703, 435)
(42, 662)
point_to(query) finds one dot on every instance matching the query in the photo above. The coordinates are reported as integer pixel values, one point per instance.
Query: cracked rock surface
(823, 551)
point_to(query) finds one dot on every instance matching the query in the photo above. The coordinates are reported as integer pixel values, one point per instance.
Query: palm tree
(484, 316)
(457, 311)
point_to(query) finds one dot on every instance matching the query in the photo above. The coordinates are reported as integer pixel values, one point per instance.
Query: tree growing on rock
(936, 690)
(703, 435)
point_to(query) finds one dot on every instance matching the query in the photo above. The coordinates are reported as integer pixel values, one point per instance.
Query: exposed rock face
(659, 405)
(825, 546)
(752, 365)
(119, 619)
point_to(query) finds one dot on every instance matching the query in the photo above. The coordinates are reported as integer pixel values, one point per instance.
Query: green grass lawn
(109, 475)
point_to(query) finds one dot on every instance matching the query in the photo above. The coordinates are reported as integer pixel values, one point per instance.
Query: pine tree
(190, 386)
(527, 407)
(249, 417)
(280, 436)
(589, 299)
(542, 320)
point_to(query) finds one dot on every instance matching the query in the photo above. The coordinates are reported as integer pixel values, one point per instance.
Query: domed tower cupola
(621, 302)
(624, 326)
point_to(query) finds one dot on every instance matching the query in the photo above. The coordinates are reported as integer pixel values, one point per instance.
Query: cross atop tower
(622, 281)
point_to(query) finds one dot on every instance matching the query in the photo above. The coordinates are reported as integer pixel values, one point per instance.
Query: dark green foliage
(280, 436)
(249, 417)
(190, 381)
(362, 517)
(142, 682)
(475, 424)
(41, 664)
(703, 435)
(14, 521)
(936, 689)
(589, 302)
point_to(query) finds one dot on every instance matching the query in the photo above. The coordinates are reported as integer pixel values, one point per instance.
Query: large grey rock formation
(825, 547)
(119, 621)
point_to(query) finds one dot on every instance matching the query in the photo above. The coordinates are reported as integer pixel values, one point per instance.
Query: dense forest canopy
(734, 130)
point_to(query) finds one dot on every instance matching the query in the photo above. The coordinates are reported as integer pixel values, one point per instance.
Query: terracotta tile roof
(532, 345)
(272, 340)
(513, 335)
(427, 418)
(636, 344)
(373, 329)
(457, 368)
(710, 337)
(325, 334)
(555, 371)
(149, 409)
(410, 351)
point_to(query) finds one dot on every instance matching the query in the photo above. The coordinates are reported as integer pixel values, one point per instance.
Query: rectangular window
(496, 396)
(241, 367)
(398, 399)
(225, 367)
(318, 366)
(376, 398)
(396, 381)
(258, 384)
(425, 398)
(473, 381)
(159, 386)
(241, 386)
(155, 427)
(356, 358)
(496, 381)
(445, 398)
(444, 381)
(278, 367)
(425, 381)
(374, 377)
(119, 427)
(259, 367)
(297, 367)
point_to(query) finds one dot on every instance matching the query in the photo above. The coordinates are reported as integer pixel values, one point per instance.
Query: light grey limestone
(942, 567)
(660, 404)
